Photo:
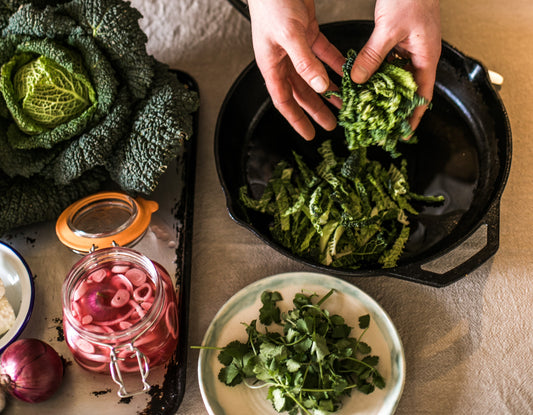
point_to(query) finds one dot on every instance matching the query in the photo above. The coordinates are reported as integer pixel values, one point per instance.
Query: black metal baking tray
(167, 397)
(83, 392)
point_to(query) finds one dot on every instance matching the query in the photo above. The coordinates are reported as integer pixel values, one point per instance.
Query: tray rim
(173, 387)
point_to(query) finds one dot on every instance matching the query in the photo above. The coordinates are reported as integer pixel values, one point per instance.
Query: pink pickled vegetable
(87, 319)
(121, 298)
(136, 276)
(98, 275)
(120, 269)
(115, 300)
(143, 293)
(120, 281)
(116, 297)
(97, 303)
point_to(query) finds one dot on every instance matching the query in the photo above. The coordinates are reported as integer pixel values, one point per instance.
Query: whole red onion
(31, 370)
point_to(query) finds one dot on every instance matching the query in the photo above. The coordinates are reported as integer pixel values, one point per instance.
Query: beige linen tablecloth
(469, 346)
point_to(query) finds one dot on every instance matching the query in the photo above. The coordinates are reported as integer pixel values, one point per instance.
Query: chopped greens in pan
(351, 212)
(348, 212)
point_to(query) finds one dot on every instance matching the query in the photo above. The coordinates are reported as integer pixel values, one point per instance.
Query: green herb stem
(207, 347)
(323, 299)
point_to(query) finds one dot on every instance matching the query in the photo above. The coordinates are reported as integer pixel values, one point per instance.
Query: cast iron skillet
(464, 153)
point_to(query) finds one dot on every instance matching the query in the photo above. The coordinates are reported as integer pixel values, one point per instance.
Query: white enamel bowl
(20, 292)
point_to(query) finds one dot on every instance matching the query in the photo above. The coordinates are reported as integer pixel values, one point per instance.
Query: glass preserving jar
(120, 310)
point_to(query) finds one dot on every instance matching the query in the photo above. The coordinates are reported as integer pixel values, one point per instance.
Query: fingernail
(359, 74)
(319, 84)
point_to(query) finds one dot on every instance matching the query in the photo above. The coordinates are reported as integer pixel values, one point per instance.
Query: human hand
(290, 52)
(412, 29)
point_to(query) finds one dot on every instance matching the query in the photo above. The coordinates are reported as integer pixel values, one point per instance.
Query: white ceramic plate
(20, 293)
(348, 301)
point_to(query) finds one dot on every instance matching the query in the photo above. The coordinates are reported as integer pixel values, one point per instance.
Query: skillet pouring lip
(464, 152)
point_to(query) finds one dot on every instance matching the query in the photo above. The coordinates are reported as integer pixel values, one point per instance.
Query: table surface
(468, 346)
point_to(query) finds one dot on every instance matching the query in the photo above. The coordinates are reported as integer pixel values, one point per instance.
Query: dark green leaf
(234, 350)
(367, 388)
(364, 321)
(230, 375)
(371, 360)
(379, 382)
(363, 348)
(270, 312)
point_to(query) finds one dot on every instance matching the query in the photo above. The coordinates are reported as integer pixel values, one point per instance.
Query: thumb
(370, 57)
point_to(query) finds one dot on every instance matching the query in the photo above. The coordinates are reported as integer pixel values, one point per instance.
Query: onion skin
(31, 370)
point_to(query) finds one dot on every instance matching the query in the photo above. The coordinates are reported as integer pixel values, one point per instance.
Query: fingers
(372, 55)
(293, 82)
(425, 79)
(281, 92)
(309, 61)
(423, 52)
(328, 53)
(424, 64)
(293, 98)
(306, 63)
(309, 78)
(312, 104)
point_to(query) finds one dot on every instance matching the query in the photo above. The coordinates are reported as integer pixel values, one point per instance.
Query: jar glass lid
(104, 219)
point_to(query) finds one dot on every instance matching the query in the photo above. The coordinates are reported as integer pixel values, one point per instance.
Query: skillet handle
(241, 7)
(414, 272)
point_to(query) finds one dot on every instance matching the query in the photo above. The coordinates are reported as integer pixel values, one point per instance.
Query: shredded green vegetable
(351, 212)
(377, 112)
(348, 212)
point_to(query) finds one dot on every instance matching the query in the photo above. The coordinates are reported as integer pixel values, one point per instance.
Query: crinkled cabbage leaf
(82, 106)
(377, 112)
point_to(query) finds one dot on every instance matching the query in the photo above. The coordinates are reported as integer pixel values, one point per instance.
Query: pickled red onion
(138, 308)
(98, 329)
(121, 298)
(80, 291)
(98, 275)
(116, 297)
(119, 280)
(136, 276)
(84, 345)
(76, 310)
(124, 325)
(119, 269)
(86, 319)
(138, 293)
(116, 321)
(146, 305)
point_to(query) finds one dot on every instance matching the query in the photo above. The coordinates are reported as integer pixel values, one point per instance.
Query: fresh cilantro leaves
(269, 312)
(308, 367)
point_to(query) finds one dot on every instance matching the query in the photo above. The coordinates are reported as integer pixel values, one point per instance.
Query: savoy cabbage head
(82, 105)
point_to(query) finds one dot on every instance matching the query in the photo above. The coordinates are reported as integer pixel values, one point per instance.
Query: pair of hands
(291, 52)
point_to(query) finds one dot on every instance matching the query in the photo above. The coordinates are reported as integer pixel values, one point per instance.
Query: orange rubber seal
(104, 219)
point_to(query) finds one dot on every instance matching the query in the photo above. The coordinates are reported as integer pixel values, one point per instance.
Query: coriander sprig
(308, 367)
